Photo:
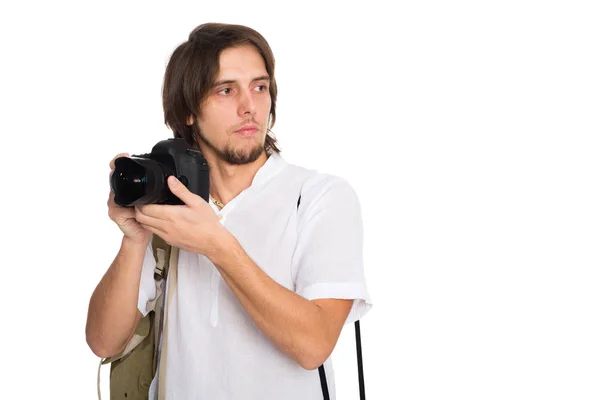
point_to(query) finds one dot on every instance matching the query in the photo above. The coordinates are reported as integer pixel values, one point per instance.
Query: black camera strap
(361, 377)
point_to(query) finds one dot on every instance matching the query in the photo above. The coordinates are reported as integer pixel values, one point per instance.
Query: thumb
(179, 190)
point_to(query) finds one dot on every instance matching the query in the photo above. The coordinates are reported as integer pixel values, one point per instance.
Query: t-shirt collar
(273, 166)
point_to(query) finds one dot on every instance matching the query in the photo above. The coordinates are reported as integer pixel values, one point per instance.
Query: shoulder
(322, 182)
(326, 191)
(319, 188)
(314, 180)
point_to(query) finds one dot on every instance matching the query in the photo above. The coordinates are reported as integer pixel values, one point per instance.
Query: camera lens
(136, 180)
(132, 184)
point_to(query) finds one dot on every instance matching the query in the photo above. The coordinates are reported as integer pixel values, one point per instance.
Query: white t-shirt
(215, 351)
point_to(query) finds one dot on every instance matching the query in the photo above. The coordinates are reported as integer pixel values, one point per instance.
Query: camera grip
(196, 178)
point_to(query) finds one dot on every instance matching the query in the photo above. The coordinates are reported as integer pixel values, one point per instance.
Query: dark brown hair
(193, 68)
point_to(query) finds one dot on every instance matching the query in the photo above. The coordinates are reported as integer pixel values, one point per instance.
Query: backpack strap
(129, 366)
(162, 255)
(361, 376)
(164, 331)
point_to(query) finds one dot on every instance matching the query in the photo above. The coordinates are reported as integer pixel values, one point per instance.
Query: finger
(117, 213)
(111, 200)
(159, 211)
(155, 230)
(112, 162)
(150, 220)
(126, 212)
(179, 190)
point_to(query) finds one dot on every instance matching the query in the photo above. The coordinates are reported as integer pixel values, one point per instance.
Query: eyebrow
(230, 81)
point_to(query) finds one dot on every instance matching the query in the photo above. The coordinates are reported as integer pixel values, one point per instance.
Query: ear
(190, 120)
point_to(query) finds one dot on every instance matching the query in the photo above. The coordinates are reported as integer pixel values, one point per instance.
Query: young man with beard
(269, 270)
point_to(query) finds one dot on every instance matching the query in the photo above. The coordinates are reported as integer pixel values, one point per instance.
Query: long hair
(193, 68)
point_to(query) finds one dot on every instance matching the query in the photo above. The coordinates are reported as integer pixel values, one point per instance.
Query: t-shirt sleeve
(329, 254)
(147, 286)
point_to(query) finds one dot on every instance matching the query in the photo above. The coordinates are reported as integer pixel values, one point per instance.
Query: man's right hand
(124, 217)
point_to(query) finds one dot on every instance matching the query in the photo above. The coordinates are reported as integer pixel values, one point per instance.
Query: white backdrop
(469, 130)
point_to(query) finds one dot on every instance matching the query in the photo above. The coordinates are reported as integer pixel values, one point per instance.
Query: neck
(228, 180)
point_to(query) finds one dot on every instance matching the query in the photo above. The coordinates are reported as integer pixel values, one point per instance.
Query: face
(234, 117)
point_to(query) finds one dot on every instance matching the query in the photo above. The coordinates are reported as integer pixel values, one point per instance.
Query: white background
(469, 130)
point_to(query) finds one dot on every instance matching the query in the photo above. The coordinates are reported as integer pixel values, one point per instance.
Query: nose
(247, 106)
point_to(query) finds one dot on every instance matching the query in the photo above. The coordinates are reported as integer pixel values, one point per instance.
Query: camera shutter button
(183, 179)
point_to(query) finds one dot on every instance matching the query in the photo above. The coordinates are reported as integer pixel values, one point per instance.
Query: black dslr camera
(142, 178)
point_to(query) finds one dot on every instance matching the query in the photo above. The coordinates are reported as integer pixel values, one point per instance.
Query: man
(269, 271)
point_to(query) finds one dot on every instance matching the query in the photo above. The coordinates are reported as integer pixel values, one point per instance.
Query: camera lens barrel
(139, 180)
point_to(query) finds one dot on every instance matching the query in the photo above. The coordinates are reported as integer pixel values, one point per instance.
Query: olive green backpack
(132, 371)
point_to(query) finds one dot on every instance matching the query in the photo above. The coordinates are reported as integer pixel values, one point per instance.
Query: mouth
(246, 130)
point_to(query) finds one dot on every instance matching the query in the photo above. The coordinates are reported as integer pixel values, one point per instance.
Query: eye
(261, 88)
(225, 91)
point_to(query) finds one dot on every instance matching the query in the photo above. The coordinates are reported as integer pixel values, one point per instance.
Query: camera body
(142, 179)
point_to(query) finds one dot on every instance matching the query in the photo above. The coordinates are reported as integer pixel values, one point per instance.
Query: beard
(234, 156)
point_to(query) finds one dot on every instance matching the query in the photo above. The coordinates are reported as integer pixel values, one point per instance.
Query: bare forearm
(296, 325)
(113, 312)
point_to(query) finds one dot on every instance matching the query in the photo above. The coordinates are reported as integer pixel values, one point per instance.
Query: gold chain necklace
(217, 202)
